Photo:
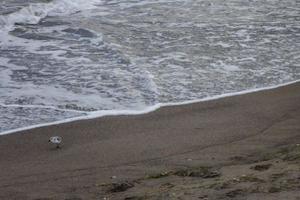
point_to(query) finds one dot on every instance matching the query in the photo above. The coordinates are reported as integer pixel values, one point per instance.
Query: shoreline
(242, 147)
(108, 113)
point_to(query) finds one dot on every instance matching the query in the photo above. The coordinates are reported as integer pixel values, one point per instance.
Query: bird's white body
(55, 140)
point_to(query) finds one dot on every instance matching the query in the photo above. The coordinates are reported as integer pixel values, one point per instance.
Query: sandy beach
(240, 147)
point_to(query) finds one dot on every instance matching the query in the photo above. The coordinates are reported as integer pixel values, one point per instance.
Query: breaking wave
(34, 12)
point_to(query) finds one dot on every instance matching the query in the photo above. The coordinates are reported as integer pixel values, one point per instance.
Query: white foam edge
(34, 12)
(102, 113)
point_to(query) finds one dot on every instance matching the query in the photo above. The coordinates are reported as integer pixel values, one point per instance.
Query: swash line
(102, 113)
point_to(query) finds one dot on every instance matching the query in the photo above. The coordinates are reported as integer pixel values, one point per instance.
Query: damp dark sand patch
(262, 167)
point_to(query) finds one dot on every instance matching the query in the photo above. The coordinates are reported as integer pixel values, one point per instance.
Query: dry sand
(241, 147)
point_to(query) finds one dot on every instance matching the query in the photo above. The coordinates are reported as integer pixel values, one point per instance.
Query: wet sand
(99, 154)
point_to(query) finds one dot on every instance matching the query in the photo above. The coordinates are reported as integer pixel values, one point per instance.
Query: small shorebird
(56, 140)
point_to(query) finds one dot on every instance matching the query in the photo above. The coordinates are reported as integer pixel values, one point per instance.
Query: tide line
(102, 113)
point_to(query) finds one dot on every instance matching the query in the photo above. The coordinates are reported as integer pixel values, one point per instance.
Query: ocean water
(64, 59)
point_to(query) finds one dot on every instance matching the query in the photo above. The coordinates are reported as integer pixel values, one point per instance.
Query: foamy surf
(40, 106)
(34, 12)
(98, 114)
(71, 59)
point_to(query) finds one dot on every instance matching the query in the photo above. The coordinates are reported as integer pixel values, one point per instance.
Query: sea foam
(66, 60)
(34, 12)
(103, 113)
